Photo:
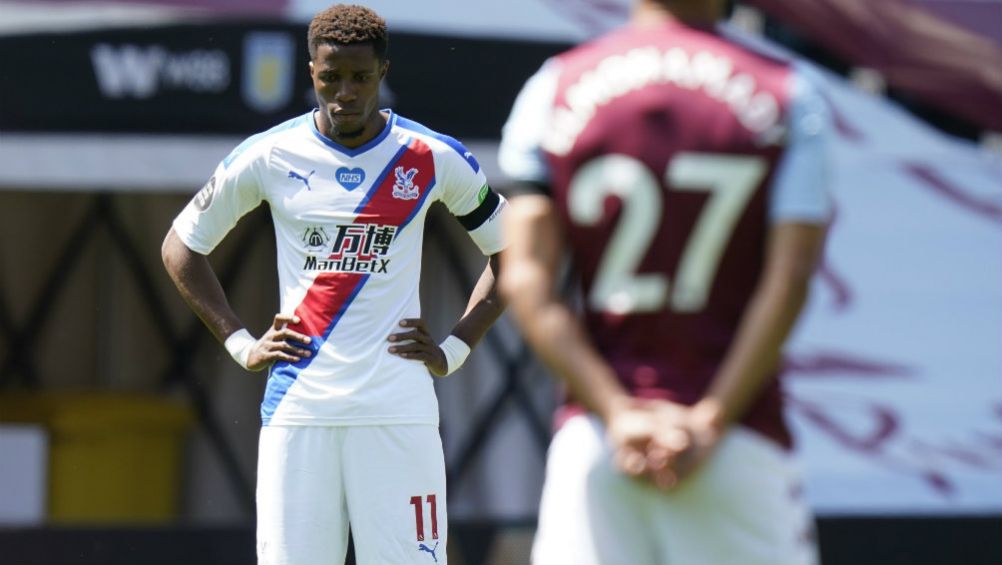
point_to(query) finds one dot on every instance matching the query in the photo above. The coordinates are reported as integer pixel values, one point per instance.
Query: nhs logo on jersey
(350, 178)
(267, 79)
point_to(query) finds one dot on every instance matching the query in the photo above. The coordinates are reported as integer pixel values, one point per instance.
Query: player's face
(346, 79)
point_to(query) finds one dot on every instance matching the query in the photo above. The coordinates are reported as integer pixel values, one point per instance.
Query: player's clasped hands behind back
(660, 441)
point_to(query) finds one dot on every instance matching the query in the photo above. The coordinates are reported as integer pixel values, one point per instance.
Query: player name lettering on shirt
(617, 75)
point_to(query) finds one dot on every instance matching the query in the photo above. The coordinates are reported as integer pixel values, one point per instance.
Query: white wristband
(239, 344)
(456, 351)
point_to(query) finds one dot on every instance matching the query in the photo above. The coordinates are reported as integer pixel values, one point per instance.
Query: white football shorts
(743, 507)
(387, 482)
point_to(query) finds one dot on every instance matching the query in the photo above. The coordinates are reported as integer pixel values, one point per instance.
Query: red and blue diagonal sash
(331, 293)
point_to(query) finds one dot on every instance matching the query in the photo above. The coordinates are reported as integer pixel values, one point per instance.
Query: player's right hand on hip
(279, 343)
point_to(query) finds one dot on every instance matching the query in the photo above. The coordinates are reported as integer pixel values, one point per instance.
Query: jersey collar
(354, 151)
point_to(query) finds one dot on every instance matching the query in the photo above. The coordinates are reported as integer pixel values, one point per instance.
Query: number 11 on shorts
(418, 505)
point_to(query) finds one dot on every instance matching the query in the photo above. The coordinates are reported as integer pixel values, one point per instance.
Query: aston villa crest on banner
(267, 73)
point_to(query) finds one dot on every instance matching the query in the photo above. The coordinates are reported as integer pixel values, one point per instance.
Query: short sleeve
(800, 190)
(520, 155)
(231, 192)
(472, 201)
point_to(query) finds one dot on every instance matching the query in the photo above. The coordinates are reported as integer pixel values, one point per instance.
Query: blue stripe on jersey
(247, 143)
(356, 151)
(450, 141)
(284, 374)
(382, 176)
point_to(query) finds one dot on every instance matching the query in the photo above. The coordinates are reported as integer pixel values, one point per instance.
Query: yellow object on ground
(113, 458)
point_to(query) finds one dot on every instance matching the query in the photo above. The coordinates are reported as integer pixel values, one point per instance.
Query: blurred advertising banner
(172, 78)
(895, 374)
(240, 79)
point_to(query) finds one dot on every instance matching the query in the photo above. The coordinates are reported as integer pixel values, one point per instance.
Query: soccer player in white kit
(350, 418)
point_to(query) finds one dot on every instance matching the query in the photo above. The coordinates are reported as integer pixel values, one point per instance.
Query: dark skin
(483, 308)
(346, 81)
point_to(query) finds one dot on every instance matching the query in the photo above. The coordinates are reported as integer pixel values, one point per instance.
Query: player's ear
(311, 69)
(383, 68)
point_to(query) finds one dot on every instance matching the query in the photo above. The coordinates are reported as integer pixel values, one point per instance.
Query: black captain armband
(481, 213)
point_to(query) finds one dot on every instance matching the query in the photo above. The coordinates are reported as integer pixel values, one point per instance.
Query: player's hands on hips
(414, 342)
(279, 343)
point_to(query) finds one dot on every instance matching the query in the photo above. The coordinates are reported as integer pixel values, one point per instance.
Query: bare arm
(482, 309)
(528, 282)
(199, 287)
(793, 251)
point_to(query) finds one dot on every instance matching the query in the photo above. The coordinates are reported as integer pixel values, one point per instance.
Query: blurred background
(128, 436)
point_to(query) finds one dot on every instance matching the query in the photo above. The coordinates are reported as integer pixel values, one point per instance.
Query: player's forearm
(199, 287)
(483, 308)
(755, 354)
(556, 335)
(528, 283)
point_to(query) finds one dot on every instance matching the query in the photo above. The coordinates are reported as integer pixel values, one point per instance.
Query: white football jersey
(349, 225)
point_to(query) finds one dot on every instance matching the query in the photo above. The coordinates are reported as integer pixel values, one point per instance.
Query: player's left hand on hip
(414, 342)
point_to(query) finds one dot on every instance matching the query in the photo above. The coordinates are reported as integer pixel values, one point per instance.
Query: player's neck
(697, 14)
(374, 126)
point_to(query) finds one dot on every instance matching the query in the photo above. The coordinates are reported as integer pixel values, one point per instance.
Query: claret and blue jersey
(349, 224)
(670, 154)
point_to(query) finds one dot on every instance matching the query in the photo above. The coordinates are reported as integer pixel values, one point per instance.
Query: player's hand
(679, 447)
(630, 428)
(279, 343)
(414, 342)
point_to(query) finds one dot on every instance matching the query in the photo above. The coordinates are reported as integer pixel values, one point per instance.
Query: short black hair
(346, 24)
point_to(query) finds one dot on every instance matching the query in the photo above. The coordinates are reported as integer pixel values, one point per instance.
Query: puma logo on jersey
(430, 550)
(404, 187)
(306, 179)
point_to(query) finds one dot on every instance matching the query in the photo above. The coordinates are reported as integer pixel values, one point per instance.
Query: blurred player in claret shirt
(684, 174)
(350, 417)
